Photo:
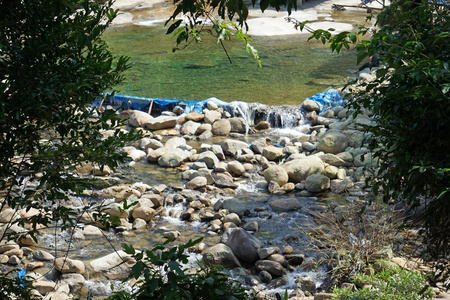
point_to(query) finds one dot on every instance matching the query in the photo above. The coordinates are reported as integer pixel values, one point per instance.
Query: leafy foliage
(411, 106)
(161, 273)
(392, 283)
(53, 64)
(12, 287)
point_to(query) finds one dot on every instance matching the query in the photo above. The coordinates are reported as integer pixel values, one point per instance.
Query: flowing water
(293, 70)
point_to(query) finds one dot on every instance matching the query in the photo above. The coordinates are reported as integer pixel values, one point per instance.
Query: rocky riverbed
(252, 193)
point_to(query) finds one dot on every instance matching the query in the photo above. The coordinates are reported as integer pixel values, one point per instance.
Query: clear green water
(293, 69)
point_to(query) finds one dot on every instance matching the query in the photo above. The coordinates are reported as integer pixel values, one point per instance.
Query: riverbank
(269, 23)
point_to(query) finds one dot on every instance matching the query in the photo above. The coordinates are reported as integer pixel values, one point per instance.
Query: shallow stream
(293, 69)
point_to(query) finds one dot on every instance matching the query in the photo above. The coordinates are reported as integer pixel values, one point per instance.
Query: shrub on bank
(390, 284)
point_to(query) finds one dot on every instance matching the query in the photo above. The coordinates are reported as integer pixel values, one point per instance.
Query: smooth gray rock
(333, 141)
(221, 127)
(258, 145)
(310, 105)
(236, 168)
(222, 255)
(274, 268)
(233, 147)
(317, 183)
(300, 169)
(138, 118)
(190, 128)
(238, 125)
(276, 174)
(197, 183)
(209, 158)
(173, 158)
(161, 122)
(273, 153)
(174, 143)
(211, 116)
(244, 245)
(284, 204)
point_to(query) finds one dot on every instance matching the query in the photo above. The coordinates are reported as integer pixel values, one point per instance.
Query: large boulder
(138, 118)
(154, 155)
(190, 128)
(162, 122)
(244, 245)
(175, 142)
(133, 153)
(238, 125)
(332, 159)
(197, 183)
(67, 265)
(211, 116)
(144, 213)
(236, 168)
(233, 147)
(115, 266)
(300, 169)
(221, 127)
(173, 158)
(273, 153)
(195, 116)
(277, 174)
(258, 145)
(317, 183)
(310, 105)
(220, 254)
(148, 143)
(333, 141)
(209, 158)
(274, 268)
(222, 180)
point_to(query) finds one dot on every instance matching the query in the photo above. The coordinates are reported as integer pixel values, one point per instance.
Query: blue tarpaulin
(139, 103)
(327, 100)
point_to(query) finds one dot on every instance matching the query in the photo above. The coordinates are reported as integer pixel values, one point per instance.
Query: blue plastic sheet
(327, 100)
(21, 276)
(139, 103)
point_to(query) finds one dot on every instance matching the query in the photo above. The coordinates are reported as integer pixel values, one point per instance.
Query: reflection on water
(293, 69)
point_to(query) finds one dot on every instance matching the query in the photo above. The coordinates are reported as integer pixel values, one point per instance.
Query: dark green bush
(161, 274)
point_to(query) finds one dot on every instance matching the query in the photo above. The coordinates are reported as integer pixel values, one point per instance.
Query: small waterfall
(285, 116)
(277, 116)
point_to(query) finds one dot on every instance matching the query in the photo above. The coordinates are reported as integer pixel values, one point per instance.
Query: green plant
(392, 283)
(161, 273)
(410, 99)
(53, 64)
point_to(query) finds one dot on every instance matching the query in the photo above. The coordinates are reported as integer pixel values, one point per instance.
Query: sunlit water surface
(293, 68)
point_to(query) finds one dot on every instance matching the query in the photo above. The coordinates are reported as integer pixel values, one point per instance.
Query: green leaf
(136, 270)
(264, 4)
(128, 249)
(174, 26)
